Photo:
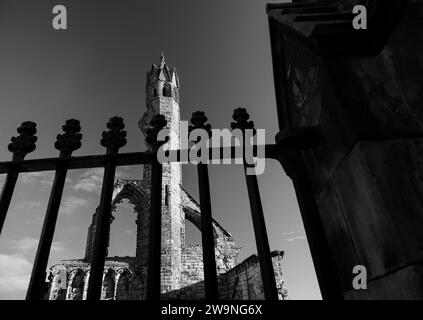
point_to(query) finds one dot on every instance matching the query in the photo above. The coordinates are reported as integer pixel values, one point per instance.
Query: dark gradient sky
(97, 69)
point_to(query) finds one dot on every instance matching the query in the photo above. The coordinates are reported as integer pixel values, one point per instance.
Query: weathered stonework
(181, 265)
(364, 168)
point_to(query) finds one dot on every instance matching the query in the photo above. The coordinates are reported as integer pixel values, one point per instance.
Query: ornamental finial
(198, 121)
(157, 123)
(70, 140)
(241, 117)
(25, 142)
(115, 138)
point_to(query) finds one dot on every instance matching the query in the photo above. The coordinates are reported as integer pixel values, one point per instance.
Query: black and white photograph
(211, 157)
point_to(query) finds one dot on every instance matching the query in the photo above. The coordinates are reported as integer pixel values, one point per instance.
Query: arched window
(77, 286)
(108, 290)
(58, 286)
(154, 92)
(167, 90)
(122, 288)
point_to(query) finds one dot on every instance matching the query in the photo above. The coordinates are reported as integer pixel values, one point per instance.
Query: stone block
(373, 209)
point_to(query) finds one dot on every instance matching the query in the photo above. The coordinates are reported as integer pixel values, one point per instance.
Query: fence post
(112, 140)
(158, 122)
(207, 236)
(266, 266)
(20, 147)
(66, 143)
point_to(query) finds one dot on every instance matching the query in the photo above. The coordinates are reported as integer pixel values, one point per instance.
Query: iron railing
(113, 140)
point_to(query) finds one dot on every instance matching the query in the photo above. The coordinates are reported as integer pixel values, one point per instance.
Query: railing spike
(242, 117)
(158, 122)
(198, 121)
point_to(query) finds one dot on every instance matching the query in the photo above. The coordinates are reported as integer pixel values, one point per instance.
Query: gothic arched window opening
(122, 288)
(108, 289)
(76, 289)
(167, 90)
(123, 230)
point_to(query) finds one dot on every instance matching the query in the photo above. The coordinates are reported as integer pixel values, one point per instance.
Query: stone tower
(162, 97)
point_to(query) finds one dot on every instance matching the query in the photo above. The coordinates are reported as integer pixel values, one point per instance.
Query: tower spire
(162, 60)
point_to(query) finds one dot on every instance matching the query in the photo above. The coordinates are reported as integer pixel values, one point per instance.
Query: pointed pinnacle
(162, 60)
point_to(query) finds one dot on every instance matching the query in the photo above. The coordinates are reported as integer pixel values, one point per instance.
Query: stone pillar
(143, 228)
(89, 247)
(366, 167)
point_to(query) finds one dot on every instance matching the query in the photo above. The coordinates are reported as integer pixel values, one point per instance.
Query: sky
(96, 69)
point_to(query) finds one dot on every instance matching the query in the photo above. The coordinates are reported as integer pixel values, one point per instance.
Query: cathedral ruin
(124, 278)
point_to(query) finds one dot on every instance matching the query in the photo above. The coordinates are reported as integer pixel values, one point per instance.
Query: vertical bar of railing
(198, 121)
(101, 233)
(158, 122)
(7, 193)
(112, 140)
(66, 143)
(41, 259)
(262, 242)
(207, 235)
(263, 249)
(154, 246)
(20, 147)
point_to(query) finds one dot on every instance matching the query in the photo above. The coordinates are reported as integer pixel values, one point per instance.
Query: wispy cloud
(16, 267)
(44, 178)
(57, 247)
(24, 245)
(15, 271)
(71, 204)
(29, 204)
(296, 238)
(294, 234)
(30, 177)
(91, 180)
(28, 246)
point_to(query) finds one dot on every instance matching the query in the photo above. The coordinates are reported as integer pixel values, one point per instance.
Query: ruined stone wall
(226, 253)
(243, 282)
(192, 266)
(125, 279)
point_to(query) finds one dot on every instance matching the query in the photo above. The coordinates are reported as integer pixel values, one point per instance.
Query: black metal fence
(113, 140)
